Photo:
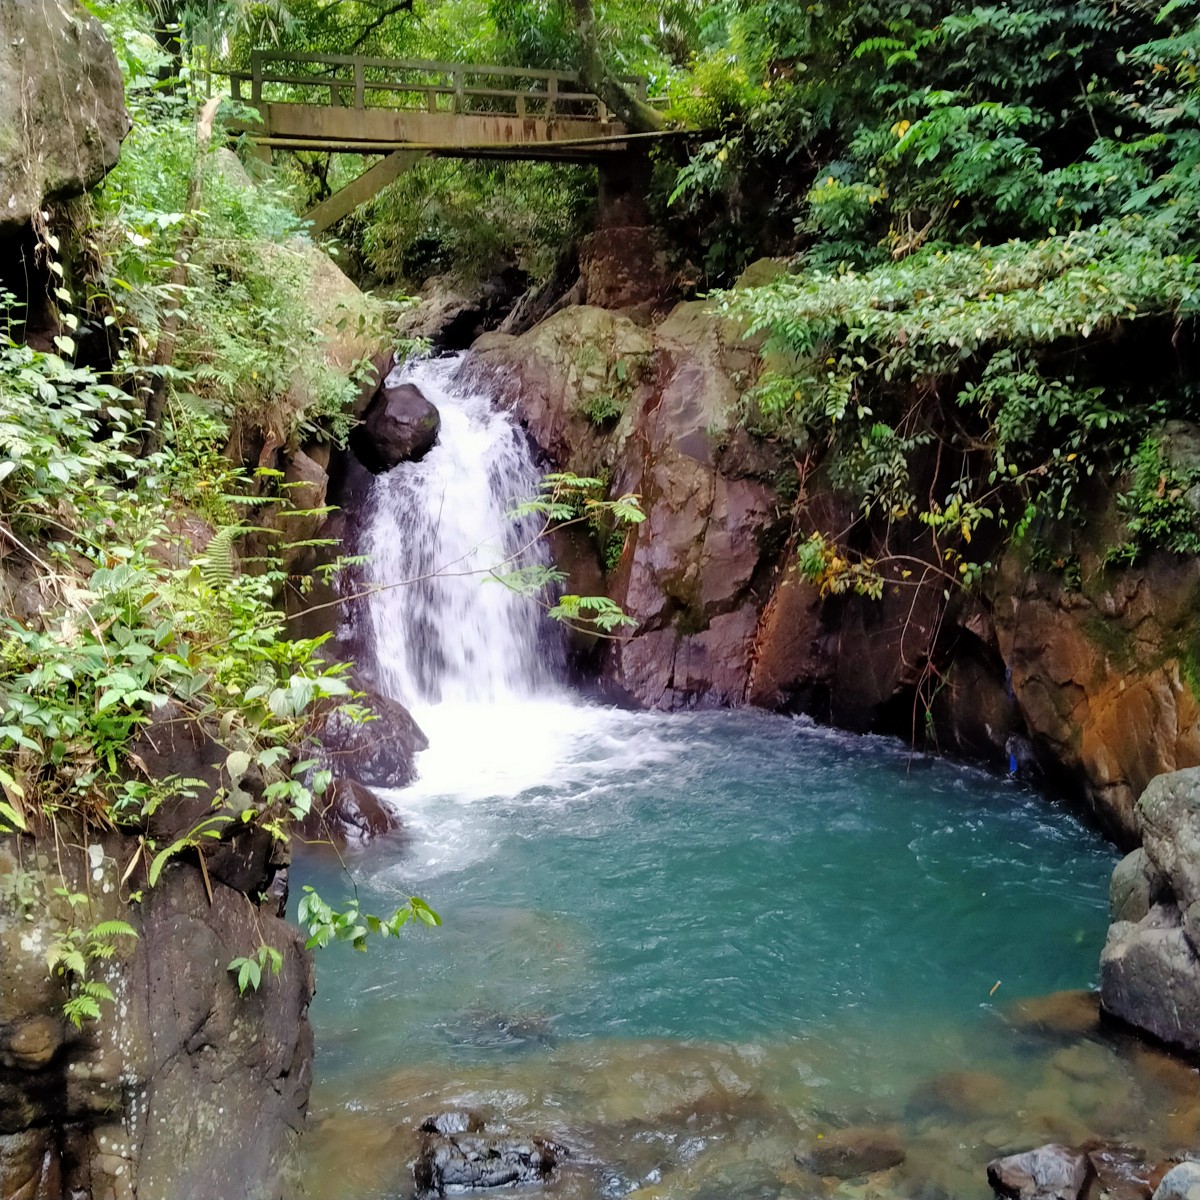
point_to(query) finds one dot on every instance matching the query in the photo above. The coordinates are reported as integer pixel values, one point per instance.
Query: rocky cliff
(1062, 665)
(182, 1089)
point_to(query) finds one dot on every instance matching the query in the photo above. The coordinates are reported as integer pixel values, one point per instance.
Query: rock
(447, 1123)
(848, 1153)
(625, 267)
(962, 1095)
(64, 117)
(1180, 1183)
(350, 812)
(1168, 814)
(1049, 1173)
(1122, 1172)
(696, 573)
(378, 753)
(182, 1087)
(451, 311)
(1069, 1014)
(400, 425)
(173, 743)
(1099, 672)
(457, 1162)
(1150, 977)
(507, 1031)
(1135, 888)
(1150, 968)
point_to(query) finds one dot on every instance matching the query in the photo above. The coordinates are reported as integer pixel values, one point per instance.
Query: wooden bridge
(405, 110)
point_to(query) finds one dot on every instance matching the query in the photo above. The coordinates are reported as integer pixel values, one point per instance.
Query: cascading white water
(445, 630)
(475, 663)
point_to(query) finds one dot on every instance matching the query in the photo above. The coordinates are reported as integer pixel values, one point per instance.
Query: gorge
(726, 629)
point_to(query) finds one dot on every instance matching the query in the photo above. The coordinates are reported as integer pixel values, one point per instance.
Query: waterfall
(449, 634)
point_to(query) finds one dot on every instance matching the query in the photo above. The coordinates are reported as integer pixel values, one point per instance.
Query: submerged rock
(456, 1162)
(848, 1153)
(1049, 1173)
(1068, 1014)
(960, 1094)
(400, 426)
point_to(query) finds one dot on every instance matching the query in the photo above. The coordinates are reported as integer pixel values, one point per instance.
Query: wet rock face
(64, 115)
(182, 1088)
(1098, 674)
(380, 753)
(655, 411)
(400, 425)
(1048, 1173)
(1150, 967)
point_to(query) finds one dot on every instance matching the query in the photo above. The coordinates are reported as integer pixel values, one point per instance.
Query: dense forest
(974, 343)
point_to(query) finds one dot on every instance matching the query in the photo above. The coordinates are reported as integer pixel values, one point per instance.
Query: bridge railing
(360, 82)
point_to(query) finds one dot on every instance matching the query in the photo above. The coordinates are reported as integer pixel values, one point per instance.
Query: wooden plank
(360, 190)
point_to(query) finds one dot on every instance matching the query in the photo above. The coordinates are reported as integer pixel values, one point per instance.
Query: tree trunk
(594, 74)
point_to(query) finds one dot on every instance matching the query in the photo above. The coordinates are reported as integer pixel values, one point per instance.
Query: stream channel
(690, 946)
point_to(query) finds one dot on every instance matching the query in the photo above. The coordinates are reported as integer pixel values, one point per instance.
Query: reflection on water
(689, 947)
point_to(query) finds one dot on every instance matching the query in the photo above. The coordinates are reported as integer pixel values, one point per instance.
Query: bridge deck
(362, 104)
(406, 109)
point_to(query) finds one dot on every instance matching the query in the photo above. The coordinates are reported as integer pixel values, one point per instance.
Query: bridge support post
(360, 190)
(624, 186)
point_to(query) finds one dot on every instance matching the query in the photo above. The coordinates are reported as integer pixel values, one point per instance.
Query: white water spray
(445, 630)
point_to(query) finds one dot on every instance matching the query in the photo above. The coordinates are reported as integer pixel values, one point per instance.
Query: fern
(218, 564)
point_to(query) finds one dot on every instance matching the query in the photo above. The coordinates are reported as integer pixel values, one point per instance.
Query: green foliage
(566, 500)
(1158, 505)
(473, 219)
(249, 970)
(74, 954)
(326, 924)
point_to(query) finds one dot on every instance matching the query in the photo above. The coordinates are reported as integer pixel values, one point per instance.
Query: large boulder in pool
(1150, 966)
(400, 425)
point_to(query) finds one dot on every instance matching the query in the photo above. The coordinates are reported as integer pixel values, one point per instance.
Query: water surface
(684, 945)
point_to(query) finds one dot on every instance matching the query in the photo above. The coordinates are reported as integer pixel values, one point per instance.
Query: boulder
(400, 425)
(450, 1163)
(1150, 977)
(1150, 968)
(349, 812)
(848, 1153)
(1048, 1173)
(1180, 1183)
(1135, 888)
(380, 752)
(452, 311)
(64, 117)
(181, 1087)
